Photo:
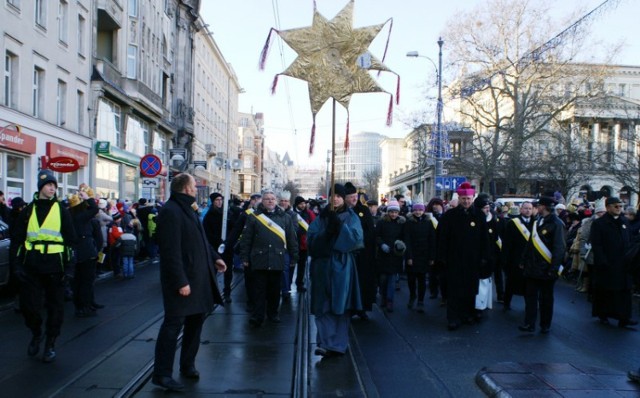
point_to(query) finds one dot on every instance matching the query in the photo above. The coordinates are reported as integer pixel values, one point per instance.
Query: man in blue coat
(333, 239)
(188, 279)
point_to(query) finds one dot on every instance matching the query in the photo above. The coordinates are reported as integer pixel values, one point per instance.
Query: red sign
(56, 150)
(150, 165)
(63, 164)
(17, 140)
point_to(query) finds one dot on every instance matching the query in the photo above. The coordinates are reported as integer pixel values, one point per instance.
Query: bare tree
(515, 81)
(371, 179)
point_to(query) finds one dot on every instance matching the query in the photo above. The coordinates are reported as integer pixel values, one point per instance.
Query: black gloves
(333, 223)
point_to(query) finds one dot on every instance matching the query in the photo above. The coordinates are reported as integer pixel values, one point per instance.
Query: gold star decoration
(334, 60)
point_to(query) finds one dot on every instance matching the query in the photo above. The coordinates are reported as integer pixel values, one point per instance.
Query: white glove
(385, 248)
(221, 248)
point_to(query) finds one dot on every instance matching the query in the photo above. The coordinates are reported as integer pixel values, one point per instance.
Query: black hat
(298, 200)
(44, 177)
(482, 200)
(142, 201)
(546, 201)
(339, 190)
(612, 201)
(349, 189)
(17, 202)
(214, 196)
(372, 202)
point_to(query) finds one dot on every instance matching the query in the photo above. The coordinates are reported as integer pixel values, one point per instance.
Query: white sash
(539, 245)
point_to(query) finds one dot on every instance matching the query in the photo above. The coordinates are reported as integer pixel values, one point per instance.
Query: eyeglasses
(618, 206)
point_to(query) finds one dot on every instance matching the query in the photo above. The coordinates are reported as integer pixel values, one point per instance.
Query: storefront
(16, 149)
(117, 175)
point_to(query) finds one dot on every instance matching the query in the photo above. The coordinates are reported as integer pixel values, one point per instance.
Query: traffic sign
(150, 182)
(450, 183)
(150, 165)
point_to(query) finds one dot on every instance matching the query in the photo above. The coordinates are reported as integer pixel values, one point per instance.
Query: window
(63, 20)
(81, 110)
(159, 145)
(82, 28)
(37, 94)
(133, 8)
(61, 103)
(15, 175)
(109, 122)
(137, 136)
(41, 13)
(10, 80)
(622, 89)
(15, 3)
(132, 58)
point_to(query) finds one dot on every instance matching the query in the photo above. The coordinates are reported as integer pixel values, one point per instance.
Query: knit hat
(298, 200)
(349, 188)
(393, 206)
(214, 196)
(465, 189)
(44, 177)
(284, 195)
(338, 189)
(481, 201)
(418, 206)
(560, 206)
(17, 202)
(142, 201)
(372, 202)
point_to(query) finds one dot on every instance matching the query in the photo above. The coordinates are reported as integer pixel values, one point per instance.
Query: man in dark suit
(188, 278)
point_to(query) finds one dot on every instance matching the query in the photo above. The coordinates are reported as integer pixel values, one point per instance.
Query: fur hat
(349, 188)
(465, 189)
(393, 206)
(284, 195)
(44, 177)
(339, 190)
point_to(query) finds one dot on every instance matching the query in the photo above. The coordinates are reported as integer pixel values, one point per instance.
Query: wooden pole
(333, 156)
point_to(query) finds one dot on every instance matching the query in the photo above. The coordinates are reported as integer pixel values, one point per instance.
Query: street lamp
(438, 146)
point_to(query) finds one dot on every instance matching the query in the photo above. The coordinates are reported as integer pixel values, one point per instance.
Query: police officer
(47, 232)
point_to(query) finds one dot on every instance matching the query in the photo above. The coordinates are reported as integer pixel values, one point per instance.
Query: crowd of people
(348, 251)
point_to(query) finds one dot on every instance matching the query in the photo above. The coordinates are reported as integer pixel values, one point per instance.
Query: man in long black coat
(187, 275)
(611, 280)
(365, 259)
(514, 240)
(463, 249)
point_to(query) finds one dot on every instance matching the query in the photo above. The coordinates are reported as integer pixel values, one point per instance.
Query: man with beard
(515, 238)
(463, 250)
(365, 258)
(542, 260)
(611, 280)
(212, 224)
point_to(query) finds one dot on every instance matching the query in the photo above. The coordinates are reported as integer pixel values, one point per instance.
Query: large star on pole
(333, 58)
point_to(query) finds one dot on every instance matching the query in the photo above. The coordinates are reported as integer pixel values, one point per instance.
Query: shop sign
(63, 164)
(106, 150)
(56, 150)
(17, 140)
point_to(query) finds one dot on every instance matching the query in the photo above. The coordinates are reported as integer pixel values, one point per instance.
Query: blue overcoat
(333, 270)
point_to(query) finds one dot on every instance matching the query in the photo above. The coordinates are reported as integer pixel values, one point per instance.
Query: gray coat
(185, 259)
(262, 248)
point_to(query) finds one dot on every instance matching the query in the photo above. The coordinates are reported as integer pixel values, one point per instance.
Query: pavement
(540, 380)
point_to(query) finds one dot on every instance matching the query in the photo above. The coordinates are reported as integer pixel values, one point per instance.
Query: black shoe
(85, 313)
(634, 376)
(301, 289)
(227, 299)
(411, 303)
(452, 326)
(167, 382)
(604, 321)
(256, 323)
(420, 307)
(625, 323)
(433, 296)
(506, 307)
(190, 373)
(527, 328)
(545, 329)
(49, 350)
(286, 297)
(320, 351)
(96, 306)
(363, 315)
(34, 345)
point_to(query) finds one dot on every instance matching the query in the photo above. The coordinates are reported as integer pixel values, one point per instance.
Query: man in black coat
(365, 259)
(611, 280)
(542, 263)
(188, 278)
(212, 224)
(463, 250)
(515, 237)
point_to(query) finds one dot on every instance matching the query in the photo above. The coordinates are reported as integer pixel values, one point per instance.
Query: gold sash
(539, 244)
(522, 228)
(273, 227)
(302, 223)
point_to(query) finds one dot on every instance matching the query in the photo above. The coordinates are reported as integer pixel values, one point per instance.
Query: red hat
(465, 189)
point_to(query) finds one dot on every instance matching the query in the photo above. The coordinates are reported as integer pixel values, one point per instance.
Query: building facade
(363, 155)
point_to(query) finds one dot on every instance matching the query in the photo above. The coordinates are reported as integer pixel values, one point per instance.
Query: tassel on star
(274, 84)
(313, 136)
(390, 111)
(265, 50)
(346, 140)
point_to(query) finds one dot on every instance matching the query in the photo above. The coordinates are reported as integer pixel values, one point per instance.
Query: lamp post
(438, 144)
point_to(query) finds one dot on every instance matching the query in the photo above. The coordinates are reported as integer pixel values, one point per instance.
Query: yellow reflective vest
(46, 238)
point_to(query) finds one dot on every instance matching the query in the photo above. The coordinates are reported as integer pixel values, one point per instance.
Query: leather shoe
(452, 326)
(190, 373)
(527, 328)
(627, 322)
(167, 382)
(274, 319)
(97, 306)
(256, 323)
(604, 321)
(545, 330)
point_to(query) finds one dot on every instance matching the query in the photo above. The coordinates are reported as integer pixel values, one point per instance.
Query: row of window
(38, 92)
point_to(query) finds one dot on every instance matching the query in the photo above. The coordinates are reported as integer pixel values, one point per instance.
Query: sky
(240, 29)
